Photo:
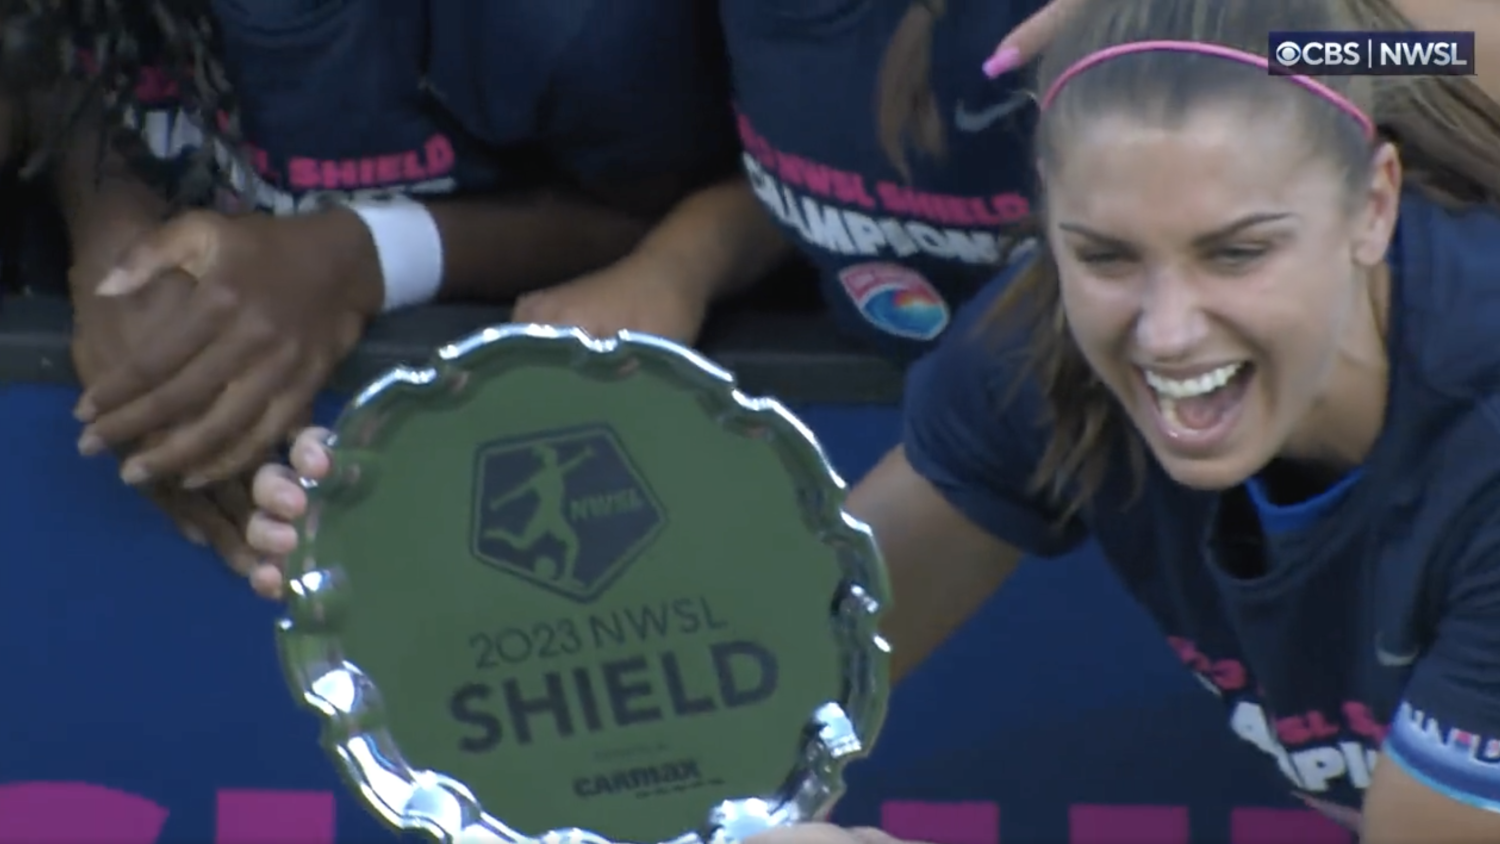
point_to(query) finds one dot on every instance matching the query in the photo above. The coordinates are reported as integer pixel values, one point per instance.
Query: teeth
(1204, 384)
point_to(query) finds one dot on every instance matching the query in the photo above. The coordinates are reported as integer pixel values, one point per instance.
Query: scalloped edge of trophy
(354, 729)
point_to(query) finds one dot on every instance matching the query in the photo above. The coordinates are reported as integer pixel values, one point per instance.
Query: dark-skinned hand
(109, 330)
(276, 304)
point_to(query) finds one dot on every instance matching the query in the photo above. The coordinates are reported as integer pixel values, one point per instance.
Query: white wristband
(410, 249)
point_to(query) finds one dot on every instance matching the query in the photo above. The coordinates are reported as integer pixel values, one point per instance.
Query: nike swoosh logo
(978, 121)
(1394, 660)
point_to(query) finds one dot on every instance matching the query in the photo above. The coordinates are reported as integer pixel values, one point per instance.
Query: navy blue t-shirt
(343, 99)
(1363, 623)
(613, 92)
(895, 257)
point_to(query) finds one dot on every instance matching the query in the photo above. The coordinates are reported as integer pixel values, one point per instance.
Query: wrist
(105, 212)
(694, 282)
(353, 255)
(404, 248)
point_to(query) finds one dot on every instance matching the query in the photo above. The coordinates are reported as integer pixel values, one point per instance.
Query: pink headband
(1342, 102)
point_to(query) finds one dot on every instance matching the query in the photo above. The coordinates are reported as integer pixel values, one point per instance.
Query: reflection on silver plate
(568, 589)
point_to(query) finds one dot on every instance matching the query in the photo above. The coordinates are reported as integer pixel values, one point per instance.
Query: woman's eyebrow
(1218, 234)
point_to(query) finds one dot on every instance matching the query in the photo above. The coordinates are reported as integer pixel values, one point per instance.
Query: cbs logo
(1324, 53)
(1288, 53)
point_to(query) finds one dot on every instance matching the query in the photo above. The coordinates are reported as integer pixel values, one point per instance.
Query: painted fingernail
(134, 473)
(113, 284)
(1003, 61)
(89, 444)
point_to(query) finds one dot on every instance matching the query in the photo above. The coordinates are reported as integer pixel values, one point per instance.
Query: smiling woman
(1143, 292)
(1250, 359)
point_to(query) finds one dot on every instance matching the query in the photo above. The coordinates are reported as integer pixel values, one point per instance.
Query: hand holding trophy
(574, 590)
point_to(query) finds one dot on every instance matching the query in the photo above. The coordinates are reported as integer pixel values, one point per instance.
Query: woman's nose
(1170, 323)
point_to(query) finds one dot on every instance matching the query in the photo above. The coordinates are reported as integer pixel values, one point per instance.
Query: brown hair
(1447, 130)
(906, 111)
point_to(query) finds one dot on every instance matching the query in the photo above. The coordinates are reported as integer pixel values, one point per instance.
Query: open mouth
(1199, 411)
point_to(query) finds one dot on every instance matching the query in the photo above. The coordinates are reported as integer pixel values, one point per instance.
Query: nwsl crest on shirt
(896, 300)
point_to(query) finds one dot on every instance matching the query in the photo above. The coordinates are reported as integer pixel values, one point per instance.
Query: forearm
(941, 566)
(496, 248)
(104, 206)
(499, 248)
(720, 239)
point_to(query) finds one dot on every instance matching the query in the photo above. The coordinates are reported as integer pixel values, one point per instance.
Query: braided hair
(102, 47)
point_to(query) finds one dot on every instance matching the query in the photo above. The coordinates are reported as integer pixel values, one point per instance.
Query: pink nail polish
(1004, 61)
(113, 284)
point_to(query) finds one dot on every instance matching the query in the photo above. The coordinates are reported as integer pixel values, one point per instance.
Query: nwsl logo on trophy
(566, 510)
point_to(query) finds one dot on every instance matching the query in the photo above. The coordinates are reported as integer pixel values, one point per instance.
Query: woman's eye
(1237, 256)
(1110, 264)
(1102, 259)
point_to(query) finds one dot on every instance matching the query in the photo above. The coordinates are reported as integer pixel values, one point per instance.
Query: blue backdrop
(141, 701)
